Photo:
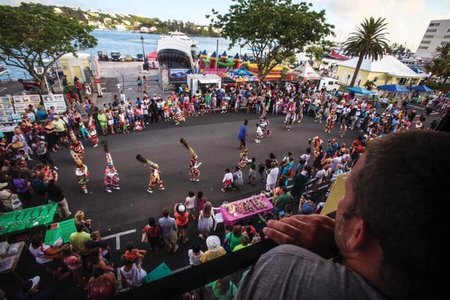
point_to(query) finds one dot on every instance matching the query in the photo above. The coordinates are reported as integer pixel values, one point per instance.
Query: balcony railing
(193, 277)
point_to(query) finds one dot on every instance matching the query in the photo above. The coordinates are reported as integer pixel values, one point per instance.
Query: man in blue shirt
(242, 134)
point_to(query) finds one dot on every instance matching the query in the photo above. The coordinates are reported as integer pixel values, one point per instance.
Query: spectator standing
(205, 221)
(169, 231)
(79, 238)
(242, 135)
(153, 232)
(56, 195)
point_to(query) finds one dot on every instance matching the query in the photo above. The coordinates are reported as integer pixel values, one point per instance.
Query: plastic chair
(217, 216)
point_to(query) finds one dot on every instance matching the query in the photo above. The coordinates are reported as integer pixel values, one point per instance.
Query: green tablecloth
(159, 272)
(64, 229)
(24, 219)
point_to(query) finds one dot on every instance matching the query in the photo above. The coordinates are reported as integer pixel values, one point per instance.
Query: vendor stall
(24, 219)
(60, 230)
(245, 208)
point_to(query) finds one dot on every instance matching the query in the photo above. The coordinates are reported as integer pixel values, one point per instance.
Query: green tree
(440, 65)
(32, 34)
(274, 29)
(368, 41)
(315, 53)
(397, 49)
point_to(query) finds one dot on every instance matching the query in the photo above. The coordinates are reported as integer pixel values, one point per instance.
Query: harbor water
(127, 42)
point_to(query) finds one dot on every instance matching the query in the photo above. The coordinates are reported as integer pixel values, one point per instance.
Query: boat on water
(175, 51)
(182, 36)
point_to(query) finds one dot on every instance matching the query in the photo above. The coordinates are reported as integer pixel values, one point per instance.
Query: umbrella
(422, 88)
(360, 90)
(393, 88)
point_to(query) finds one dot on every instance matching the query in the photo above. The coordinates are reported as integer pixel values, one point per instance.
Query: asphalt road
(214, 138)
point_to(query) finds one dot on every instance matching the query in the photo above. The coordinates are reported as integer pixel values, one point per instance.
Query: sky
(407, 19)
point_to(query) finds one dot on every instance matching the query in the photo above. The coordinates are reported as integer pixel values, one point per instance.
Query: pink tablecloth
(229, 219)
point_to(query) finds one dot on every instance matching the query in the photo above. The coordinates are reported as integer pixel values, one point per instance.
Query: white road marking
(117, 236)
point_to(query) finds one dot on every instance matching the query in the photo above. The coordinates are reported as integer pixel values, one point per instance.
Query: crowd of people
(43, 132)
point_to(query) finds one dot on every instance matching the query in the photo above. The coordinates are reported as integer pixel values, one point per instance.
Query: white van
(330, 84)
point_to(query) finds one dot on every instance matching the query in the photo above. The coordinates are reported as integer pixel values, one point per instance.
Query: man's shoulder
(303, 274)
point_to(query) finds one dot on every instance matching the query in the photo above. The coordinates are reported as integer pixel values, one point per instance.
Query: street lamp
(143, 51)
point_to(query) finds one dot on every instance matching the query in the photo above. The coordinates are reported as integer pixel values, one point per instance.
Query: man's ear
(357, 236)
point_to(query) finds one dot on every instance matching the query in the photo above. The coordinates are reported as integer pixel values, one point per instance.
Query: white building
(437, 34)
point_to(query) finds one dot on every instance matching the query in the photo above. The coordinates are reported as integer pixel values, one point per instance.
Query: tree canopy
(273, 29)
(33, 35)
(440, 65)
(368, 41)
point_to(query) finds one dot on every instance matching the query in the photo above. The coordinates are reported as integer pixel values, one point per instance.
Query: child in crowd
(194, 254)
(153, 232)
(227, 181)
(190, 204)
(79, 219)
(201, 201)
(252, 172)
(133, 254)
(259, 134)
(83, 131)
(223, 106)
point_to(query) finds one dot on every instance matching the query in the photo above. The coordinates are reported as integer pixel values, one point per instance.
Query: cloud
(407, 19)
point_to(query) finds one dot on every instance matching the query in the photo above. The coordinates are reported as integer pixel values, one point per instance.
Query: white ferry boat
(175, 51)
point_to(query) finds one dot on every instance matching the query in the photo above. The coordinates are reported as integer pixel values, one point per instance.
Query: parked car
(115, 56)
(140, 57)
(128, 57)
(102, 56)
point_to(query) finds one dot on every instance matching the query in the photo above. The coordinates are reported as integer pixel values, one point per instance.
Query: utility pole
(217, 52)
(143, 51)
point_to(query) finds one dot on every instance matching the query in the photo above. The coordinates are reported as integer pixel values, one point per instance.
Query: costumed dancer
(82, 173)
(178, 116)
(244, 160)
(331, 121)
(92, 132)
(316, 142)
(194, 171)
(111, 178)
(290, 115)
(76, 147)
(155, 177)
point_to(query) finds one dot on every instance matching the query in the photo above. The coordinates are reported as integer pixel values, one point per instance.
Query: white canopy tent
(388, 64)
(305, 72)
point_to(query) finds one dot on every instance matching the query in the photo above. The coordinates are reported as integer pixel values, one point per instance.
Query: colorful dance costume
(194, 171)
(155, 177)
(111, 177)
(92, 132)
(331, 121)
(82, 174)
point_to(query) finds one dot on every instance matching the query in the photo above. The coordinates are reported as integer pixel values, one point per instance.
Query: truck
(330, 84)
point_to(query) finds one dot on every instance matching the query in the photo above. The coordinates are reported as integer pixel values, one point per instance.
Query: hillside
(102, 20)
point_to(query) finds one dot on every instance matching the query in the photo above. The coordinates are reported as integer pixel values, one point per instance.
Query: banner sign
(179, 75)
(56, 101)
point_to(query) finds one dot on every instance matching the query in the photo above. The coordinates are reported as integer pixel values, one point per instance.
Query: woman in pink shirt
(75, 265)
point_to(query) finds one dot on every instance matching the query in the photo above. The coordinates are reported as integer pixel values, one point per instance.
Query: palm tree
(441, 62)
(368, 41)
